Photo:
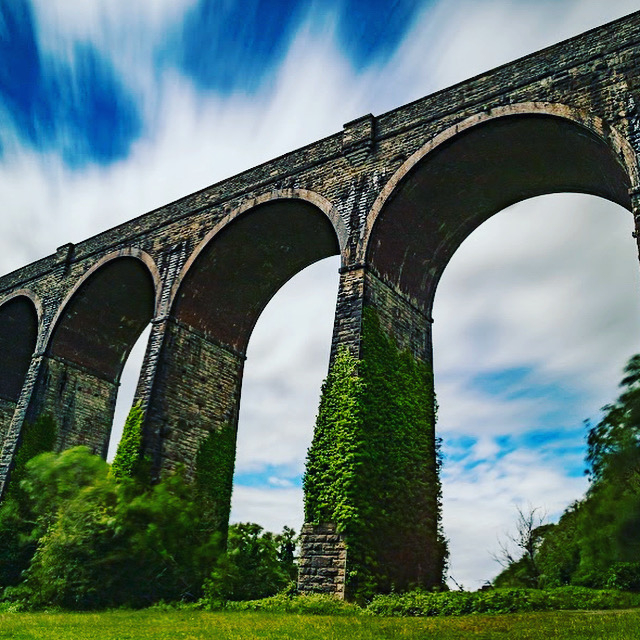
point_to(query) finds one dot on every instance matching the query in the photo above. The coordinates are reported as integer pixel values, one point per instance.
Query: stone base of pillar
(323, 560)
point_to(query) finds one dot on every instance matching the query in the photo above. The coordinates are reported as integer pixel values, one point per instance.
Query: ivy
(35, 438)
(214, 474)
(129, 457)
(372, 468)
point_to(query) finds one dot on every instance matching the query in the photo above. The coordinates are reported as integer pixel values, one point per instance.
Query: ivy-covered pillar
(372, 493)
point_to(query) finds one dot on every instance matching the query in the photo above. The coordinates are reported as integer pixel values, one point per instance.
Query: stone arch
(478, 167)
(108, 286)
(243, 261)
(20, 315)
(89, 341)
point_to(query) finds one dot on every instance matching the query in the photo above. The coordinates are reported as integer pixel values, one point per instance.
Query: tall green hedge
(372, 468)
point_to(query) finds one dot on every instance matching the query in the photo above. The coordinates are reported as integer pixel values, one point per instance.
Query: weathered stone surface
(323, 560)
(394, 195)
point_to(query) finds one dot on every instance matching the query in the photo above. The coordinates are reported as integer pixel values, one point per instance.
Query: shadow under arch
(19, 321)
(90, 339)
(246, 259)
(478, 168)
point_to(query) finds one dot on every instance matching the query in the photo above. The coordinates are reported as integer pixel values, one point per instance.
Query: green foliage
(109, 542)
(214, 474)
(455, 603)
(596, 543)
(307, 604)
(129, 461)
(36, 438)
(372, 468)
(334, 456)
(256, 564)
(18, 531)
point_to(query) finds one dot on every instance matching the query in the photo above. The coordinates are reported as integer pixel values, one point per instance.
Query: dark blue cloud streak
(80, 111)
(226, 45)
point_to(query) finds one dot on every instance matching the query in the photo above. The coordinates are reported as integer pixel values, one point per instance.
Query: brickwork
(324, 560)
(81, 403)
(384, 192)
(197, 389)
(7, 407)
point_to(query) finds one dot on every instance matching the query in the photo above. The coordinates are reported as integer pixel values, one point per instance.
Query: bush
(422, 603)
(312, 604)
(109, 542)
(255, 565)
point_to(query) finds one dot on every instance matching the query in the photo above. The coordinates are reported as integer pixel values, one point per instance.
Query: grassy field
(194, 625)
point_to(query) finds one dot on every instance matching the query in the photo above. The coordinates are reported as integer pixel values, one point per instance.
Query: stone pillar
(82, 403)
(323, 563)
(195, 391)
(12, 436)
(634, 194)
(7, 407)
(394, 542)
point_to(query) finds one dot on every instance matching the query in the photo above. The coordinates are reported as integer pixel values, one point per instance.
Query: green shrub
(624, 576)
(422, 603)
(312, 604)
(256, 564)
(19, 531)
(109, 542)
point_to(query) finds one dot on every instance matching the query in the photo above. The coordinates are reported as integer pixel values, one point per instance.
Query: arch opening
(442, 199)
(472, 176)
(287, 360)
(89, 345)
(241, 268)
(226, 285)
(534, 319)
(18, 338)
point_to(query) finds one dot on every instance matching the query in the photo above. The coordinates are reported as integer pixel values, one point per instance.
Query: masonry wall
(324, 561)
(7, 407)
(196, 390)
(81, 403)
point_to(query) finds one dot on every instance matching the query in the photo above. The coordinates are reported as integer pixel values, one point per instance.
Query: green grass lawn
(194, 625)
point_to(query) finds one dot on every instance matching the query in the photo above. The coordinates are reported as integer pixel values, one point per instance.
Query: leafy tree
(19, 532)
(596, 542)
(256, 565)
(108, 542)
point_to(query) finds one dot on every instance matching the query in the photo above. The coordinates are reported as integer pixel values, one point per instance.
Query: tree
(256, 565)
(518, 553)
(109, 542)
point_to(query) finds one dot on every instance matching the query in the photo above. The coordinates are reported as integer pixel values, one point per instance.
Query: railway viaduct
(394, 195)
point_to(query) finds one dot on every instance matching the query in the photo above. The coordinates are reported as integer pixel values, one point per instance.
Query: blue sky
(109, 108)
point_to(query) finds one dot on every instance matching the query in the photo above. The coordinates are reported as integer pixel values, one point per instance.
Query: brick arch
(104, 313)
(243, 261)
(478, 167)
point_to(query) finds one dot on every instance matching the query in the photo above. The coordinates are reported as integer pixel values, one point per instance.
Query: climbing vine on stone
(372, 468)
(214, 473)
(129, 458)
